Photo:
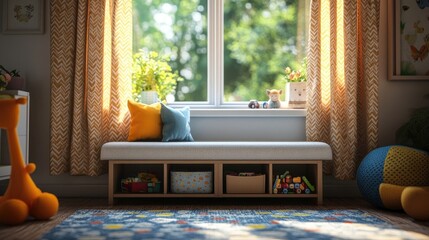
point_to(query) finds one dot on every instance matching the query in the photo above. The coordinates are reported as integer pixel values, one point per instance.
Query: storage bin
(191, 182)
(245, 184)
(141, 187)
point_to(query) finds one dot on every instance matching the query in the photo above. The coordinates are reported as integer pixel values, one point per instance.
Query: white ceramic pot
(149, 97)
(296, 94)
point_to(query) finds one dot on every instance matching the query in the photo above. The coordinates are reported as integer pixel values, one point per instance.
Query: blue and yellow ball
(396, 165)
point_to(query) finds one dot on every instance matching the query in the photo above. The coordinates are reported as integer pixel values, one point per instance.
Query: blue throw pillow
(176, 126)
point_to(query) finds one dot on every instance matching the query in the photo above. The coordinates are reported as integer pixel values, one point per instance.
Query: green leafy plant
(151, 72)
(415, 133)
(299, 75)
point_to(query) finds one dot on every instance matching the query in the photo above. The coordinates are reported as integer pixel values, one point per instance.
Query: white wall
(30, 54)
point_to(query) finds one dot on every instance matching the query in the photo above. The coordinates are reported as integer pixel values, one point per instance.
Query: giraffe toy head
(10, 106)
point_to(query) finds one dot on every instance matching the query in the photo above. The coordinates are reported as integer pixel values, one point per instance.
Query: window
(227, 52)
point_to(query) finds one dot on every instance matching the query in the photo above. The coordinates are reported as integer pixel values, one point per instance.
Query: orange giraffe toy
(22, 197)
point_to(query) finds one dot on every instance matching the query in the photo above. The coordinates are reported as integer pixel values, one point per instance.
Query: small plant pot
(296, 95)
(149, 97)
(17, 83)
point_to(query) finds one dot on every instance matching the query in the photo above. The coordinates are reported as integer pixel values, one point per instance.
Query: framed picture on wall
(23, 16)
(408, 39)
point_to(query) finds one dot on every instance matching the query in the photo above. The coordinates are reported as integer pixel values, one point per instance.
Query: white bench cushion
(216, 151)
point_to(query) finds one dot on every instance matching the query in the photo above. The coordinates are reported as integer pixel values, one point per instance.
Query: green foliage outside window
(261, 38)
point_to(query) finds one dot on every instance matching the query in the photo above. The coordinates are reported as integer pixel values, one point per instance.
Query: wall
(397, 99)
(30, 54)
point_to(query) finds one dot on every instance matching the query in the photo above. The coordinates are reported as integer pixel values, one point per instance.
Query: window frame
(215, 105)
(215, 73)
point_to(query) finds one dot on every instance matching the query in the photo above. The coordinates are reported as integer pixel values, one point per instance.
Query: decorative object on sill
(296, 96)
(6, 77)
(253, 104)
(4, 80)
(296, 84)
(151, 72)
(265, 105)
(17, 83)
(148, 97)
(274, 101)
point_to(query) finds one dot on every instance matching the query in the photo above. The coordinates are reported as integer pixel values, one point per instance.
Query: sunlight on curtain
(340, 44)
(107, 58)
(325, 73)
(343, 80)
(91, 54)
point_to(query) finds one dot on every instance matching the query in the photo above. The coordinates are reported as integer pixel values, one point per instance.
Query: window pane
(177, 29)
(262, 38)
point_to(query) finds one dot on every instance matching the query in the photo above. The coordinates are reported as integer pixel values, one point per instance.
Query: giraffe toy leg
(13, 212)
(44, 207)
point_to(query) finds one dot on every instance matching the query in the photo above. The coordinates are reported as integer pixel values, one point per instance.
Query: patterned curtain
(343, 80)
(91, 60)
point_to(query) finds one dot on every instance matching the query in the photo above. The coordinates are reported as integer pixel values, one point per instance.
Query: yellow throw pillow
(146, 121)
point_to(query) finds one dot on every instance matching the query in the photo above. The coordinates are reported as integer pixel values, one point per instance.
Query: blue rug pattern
(225, 224)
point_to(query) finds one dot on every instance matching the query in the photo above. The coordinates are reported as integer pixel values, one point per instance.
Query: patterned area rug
(226, 224)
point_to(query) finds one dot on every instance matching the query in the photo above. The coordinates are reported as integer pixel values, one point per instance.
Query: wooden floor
(34, 229)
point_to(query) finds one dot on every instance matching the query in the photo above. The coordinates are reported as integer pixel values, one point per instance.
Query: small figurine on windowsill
(274, 101)
(253, 104)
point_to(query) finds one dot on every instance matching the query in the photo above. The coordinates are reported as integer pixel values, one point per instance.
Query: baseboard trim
(339, 189)
(335, 188)
(76, 190)
(71, 190)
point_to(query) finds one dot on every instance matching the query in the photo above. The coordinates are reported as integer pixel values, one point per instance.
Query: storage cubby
(124, 171)
(309, 171)
(260, 177)
(190, 178)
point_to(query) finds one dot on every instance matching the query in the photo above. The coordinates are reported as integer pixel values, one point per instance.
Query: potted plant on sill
(296, 86)
(8, 79)
(153, 79)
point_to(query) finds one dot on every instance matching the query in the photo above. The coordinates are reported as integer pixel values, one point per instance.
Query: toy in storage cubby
(190, 178)
(294, 179)
(245, 178)
(140, 178)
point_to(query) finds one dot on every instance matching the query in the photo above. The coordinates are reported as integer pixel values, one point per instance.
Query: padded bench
(217, 155)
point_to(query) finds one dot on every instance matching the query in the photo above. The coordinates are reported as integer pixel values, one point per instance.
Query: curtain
(343, 81)
(91, 60)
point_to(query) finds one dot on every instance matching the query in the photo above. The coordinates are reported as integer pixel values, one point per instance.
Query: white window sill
(247, 112)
